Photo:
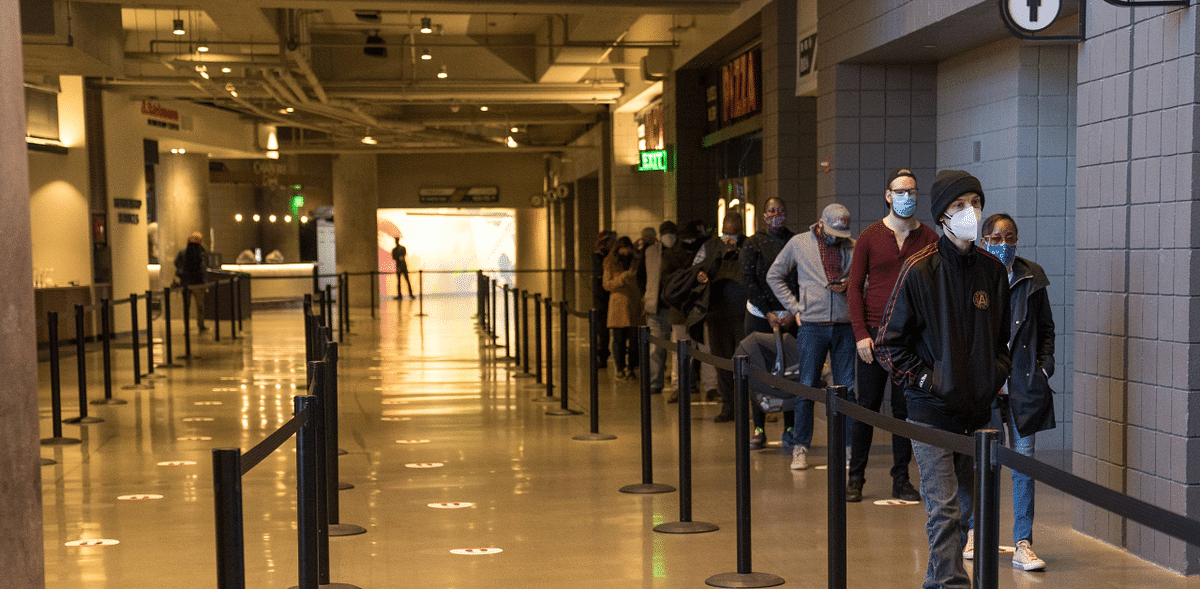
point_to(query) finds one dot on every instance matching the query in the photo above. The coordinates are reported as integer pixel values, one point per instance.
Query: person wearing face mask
(604, 244)
(1026, 405)
(624, 305)
(945, 335)
(658, 316)
(820, 258)
(764, 312)
(881, 250)
(724, 307)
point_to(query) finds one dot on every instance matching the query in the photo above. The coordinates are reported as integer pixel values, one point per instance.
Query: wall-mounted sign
(127, 203)
(159, 116)
(653, 161)
(806, 64)
(1033, 15)
(467, 194)
(741, 86)
(127, 219)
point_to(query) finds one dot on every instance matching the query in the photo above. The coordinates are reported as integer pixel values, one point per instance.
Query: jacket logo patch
(980, 299)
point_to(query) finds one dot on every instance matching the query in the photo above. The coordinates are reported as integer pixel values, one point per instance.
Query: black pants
(403, 273)
(602, 335)
(625, 347)
(755, 324)
(872, 380)
(725, 331)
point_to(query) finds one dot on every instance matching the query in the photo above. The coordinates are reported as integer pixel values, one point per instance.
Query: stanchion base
(744, 580)
(561, 411)
(344, 486)
(646, 489)
(692, 527)
(597, 437)
(109, 402)
(332, 586)
(346, 530)
(341, 451)
(153, 376)
(59, 441)
(138, 387)
(83, 420)
(421, 315)
(533, 386)
(522, 375)
(546, 399)
(48, 462)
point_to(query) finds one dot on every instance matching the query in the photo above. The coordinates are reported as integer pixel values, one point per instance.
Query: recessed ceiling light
(369, 140)
(514, 130)
(483, 109)
(256, 217)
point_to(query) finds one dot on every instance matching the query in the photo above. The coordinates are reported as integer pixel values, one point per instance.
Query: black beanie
(948, 186)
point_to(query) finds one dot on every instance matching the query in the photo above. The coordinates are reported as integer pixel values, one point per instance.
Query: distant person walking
(399, 254)
(192, 270)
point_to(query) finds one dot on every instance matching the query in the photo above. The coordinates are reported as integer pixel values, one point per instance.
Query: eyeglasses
(904, 193)
(1009, 238)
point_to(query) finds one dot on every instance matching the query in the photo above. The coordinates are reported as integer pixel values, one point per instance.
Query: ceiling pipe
(306, 71)
(435, 44)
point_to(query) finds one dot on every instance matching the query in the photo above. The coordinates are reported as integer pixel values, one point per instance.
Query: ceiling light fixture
(375, 46)
(426, 25)
(287, 218)
(304, 219)
(369, 140)
(271, 218)
(425, 54)
(202, 48)
(483, 109)
(238, 217)
(203, 71)
(178, 27)
(510, 141)
(442, 74)
(256, 218)
(226, 70)
(515, 130)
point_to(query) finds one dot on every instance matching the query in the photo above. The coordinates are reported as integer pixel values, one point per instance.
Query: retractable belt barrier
(984, 446)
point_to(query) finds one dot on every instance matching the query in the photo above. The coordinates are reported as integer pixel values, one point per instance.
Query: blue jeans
(1022, 484)
(660, 326)
(816, 341)
(946, 480)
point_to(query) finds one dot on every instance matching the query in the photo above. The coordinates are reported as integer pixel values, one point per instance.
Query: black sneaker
(905, 491)
(758, 439)
(854, 490)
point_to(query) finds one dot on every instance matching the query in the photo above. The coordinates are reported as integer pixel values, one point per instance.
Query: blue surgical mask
(904, 203)
(1004, 252)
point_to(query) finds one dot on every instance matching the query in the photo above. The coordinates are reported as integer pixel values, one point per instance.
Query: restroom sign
(1032, 15)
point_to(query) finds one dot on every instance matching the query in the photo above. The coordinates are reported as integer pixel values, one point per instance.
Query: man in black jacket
(945, 336)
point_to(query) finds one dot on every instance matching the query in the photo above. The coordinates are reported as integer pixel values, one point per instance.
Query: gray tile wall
(1017, 102)
(1136, 430)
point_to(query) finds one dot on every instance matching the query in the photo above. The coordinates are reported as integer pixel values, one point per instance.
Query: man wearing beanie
(944, 335)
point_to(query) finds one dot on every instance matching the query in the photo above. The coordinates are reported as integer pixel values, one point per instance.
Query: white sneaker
(799, 458)
(1025, 559)
(969, 549)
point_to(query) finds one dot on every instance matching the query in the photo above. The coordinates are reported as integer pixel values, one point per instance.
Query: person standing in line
(820, 258)
(604, 243)
(1026, 405)
(945, 335)
(764, 312)
(674, 258)
(191, 267)
(399, 255)
(881, 250)
(658, 316)
(624, 305)
(718, 267)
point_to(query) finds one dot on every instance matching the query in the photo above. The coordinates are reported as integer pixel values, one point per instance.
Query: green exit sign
(653, 161)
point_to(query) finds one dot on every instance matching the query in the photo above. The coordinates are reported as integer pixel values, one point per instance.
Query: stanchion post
(685, 525)
(593, 387)
(216, 290)
(81, 369)
(233, 306)
(647, 485)
(537, 338)
(374, 291)
(341, 300)
(227, 512)
(307, 521)
(187, 322)
(316, 279)
(106, 347)
(327, 306)
(420, 292)
(987, 510)
(168, 353)
(237, 278)
(518, 351)
(745, 575)
(507, 353)
(479, 297)
(836, 486)
(564, 350)
(55, 378)
(548, 337)
(493, 322)
(316, 382)
(524, 296)
(149, 333)
(137, 352)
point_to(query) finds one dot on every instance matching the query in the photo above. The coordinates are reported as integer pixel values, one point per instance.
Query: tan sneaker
(799, 458)
(1025, 559)
(969, 548)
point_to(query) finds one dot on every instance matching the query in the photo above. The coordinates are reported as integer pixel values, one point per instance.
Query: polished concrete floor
(424, 391)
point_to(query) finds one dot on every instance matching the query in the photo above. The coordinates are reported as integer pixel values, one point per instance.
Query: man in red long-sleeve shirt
(882, 249)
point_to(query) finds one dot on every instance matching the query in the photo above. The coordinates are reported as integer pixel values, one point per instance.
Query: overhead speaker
(376, 46)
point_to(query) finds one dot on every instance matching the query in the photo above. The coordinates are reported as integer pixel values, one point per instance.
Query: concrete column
(789, 122)
(355, 204)
(182, 206)
(587, 228)
(21, 556)
(532, 249)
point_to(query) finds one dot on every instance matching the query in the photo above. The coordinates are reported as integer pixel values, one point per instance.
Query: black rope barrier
(260, 451)
(647, 486)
